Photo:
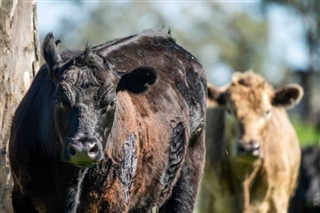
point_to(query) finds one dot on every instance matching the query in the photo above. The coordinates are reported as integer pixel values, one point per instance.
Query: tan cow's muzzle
(248, 150)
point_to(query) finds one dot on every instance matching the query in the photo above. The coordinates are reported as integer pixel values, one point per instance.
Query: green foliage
(307, 133)
(214, 32)
(223, 36)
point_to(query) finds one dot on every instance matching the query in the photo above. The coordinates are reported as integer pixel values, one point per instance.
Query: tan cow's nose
(248, 148)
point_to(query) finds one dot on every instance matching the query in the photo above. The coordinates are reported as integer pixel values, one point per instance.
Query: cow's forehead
(250, 93)
(82, 84)
(79, 76)
(87, 78)
(86, 69)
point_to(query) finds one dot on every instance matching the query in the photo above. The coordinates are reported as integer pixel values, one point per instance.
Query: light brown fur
(236, 184)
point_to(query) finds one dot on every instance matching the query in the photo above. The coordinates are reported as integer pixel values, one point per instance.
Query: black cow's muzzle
(83, 153)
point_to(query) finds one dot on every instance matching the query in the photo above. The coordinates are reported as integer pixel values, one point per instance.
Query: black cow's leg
(184, 193)
(21, 203)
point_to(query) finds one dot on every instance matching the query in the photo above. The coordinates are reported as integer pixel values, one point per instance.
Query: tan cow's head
(249, 102)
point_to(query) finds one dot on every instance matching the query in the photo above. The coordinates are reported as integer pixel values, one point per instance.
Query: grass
(307, 133)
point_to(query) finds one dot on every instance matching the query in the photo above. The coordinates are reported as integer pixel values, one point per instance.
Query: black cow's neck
(74, 193)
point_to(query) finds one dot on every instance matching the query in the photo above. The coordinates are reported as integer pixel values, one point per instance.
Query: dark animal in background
(253, 152)
(307, 195)
(118, 127)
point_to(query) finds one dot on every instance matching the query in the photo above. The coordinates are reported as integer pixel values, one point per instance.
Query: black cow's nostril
(71, 150)
(93, 150)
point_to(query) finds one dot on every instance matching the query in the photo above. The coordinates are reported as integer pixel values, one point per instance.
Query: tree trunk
(19, 61)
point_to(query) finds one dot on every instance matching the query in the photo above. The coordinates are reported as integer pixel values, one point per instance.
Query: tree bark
(19, 61)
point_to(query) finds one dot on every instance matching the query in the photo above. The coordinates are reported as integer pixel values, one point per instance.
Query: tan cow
(252, 149)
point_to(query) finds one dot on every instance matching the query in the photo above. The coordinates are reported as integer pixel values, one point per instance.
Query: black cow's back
(307, 195)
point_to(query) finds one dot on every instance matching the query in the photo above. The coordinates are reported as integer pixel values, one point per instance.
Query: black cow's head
(86, 100)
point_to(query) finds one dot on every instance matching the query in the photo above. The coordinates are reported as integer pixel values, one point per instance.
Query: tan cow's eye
(267, 113)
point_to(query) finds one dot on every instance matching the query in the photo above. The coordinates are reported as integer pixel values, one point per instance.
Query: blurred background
(278, 39)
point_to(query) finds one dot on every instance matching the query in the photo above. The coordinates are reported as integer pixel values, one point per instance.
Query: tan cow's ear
(215, 96)
(288, 96)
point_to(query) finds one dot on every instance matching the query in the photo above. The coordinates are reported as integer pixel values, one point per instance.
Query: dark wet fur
(145, 67)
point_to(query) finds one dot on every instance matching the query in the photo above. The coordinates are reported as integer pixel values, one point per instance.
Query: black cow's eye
(107, 105)
(111, 105)
(58, 102)
(62, 101)
(104, 103)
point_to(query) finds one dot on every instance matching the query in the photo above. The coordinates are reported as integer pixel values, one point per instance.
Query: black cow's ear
(50, 52)
(288, 96)
(216, 96)
(137, 81)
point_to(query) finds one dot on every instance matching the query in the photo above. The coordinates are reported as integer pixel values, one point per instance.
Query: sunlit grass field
(307, 133)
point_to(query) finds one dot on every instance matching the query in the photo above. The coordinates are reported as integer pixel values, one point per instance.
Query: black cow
(307, 196)
(115, 128)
